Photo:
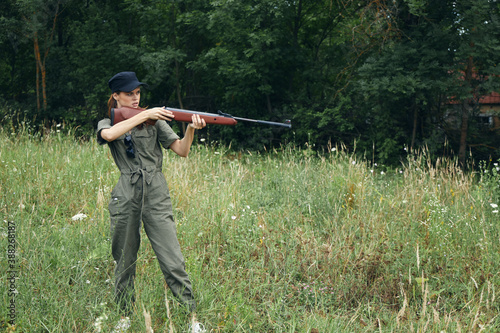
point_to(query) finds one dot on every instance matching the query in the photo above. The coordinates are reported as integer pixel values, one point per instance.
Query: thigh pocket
(117, 206)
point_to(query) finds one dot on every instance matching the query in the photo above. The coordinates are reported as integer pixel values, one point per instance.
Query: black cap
(124, 81)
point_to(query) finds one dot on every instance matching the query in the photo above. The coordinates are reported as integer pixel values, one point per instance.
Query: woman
(142, 193)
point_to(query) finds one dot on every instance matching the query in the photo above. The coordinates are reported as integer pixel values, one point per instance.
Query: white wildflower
(79, 217)
(99, 321)
(493, 205)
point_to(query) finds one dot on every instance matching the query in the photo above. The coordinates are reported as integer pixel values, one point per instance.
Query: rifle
(121, 114)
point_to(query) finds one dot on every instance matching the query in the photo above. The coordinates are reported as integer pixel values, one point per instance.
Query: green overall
(142, 195)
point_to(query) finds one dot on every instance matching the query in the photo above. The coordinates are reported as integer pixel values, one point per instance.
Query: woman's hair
(111, 104)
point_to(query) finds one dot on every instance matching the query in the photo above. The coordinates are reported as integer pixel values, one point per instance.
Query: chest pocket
(145, 138)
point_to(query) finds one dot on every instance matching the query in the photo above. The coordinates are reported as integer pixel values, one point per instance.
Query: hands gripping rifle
(120, 114)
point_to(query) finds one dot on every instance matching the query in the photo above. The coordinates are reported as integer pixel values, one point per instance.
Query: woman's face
(128, 99)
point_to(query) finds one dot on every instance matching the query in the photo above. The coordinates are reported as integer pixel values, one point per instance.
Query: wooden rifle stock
(121, 114)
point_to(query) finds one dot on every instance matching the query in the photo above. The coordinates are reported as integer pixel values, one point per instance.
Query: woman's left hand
(197, 122)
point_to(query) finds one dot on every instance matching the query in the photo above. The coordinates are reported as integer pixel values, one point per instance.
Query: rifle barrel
(222, 114)
(285, 124)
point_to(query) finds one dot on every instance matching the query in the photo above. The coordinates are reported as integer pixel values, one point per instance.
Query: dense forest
(374, 75)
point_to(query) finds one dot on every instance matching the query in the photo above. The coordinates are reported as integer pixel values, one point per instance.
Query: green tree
(404, 87)
(476, 55)
(401, 86)
(15, 77)
(40, 18)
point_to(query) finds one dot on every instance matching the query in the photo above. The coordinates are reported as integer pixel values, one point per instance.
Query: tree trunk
(40, 64)
(297, 23)
(463, 133)
(415, 122)
(465, 114)
(44, 86)
(37, 61)
(178, 91)
(40, 70)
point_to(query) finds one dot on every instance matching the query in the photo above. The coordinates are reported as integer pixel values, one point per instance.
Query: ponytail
(111, 104)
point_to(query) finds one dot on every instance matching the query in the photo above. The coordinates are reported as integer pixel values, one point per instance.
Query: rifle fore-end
(210, 118)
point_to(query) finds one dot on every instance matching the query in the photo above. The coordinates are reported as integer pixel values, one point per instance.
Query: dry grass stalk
(147, 319)
(483, 327)
(401, 312)
(426, 325)
(478, 312)
(418, 260)
(170, 326)
(436, 315)
(426, 292)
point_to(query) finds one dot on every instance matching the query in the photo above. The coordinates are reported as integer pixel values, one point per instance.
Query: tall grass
(287, 241)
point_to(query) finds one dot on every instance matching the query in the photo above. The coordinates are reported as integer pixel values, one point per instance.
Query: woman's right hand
(159, 113)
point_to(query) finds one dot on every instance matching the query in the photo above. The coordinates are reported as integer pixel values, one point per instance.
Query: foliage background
(370, 74)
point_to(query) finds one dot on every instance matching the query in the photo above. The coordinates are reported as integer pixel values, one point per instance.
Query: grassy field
(287, 241)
